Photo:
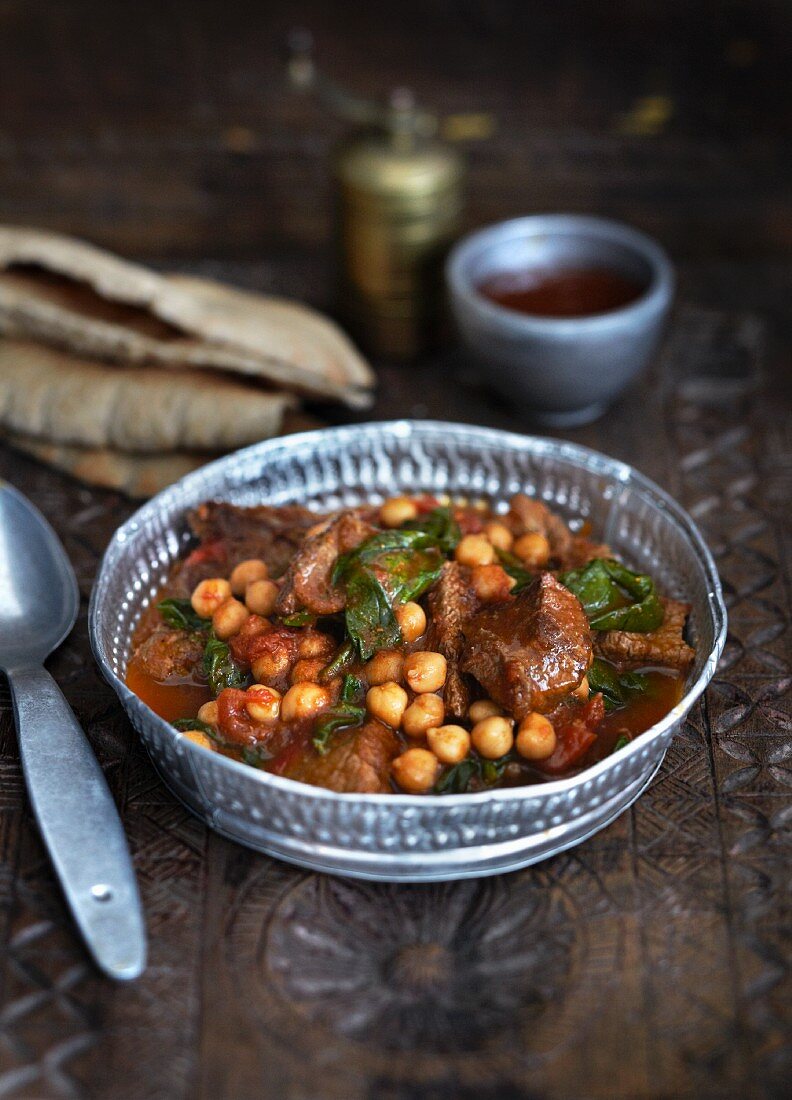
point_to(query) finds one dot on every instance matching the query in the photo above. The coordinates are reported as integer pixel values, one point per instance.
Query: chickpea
(425, 712)
(582, 691)
(396, 511)
(483, 708)
(304, 701)
(315, 644)
(254, 569)
(475, 550)
(263, 703)
(450, 744)
(411, 618)
(385, 666)
(416, 770)
(269, 666)
(499, 535)
(208, 595)
(493, 737)
(208, 713)
(255, 626)
(198, 737)
(536, 738)
(491, 583)
(229, 618)
(308, 669)
(533, 549)
(387, 702)
(425, 671)
(260, 597)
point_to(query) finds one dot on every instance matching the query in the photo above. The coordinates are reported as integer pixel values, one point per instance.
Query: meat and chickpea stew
(420, 646)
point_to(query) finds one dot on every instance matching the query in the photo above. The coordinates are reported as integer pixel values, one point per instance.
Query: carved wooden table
(651, 961)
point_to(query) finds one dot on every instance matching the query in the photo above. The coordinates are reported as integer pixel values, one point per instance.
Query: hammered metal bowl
(389, 836)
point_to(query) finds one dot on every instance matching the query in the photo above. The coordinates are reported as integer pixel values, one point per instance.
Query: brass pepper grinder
(400, 199)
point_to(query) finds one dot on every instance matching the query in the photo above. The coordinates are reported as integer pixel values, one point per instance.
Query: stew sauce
(572, 292)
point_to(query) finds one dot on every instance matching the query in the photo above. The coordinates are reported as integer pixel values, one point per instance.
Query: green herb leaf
(370, 621)
(299, 618)
(220, 668)
(341, 716)
(255, 757)
(180, 615)
(183, 724)
(617, 689)
(515, 568)
(438, 527)
(390, 567)
(341, 661)
(622, 743)
(615, 598)
(351, 690)
(347, 712)
(492, 770)
(457, 779)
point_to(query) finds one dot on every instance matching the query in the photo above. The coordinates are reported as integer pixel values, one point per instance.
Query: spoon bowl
(40, 593)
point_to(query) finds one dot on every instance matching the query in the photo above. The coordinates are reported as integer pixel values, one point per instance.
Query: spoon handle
(80, 825)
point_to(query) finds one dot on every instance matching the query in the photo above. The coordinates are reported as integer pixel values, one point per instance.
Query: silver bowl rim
(655, 298)
(585, 456)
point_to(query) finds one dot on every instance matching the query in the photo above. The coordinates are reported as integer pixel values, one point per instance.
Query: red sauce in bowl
(568, 292)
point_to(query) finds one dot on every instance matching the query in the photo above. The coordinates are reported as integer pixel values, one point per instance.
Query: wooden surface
(651, 961)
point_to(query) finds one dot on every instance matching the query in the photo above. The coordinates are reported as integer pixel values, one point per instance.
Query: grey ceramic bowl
(401, 837)
(566, 370)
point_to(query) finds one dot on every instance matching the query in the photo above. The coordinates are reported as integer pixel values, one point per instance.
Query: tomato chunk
(576, 730)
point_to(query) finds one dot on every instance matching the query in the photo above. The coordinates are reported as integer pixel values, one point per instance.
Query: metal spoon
(70, 797)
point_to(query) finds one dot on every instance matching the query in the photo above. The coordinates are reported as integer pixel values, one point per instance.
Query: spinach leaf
(340, 662)
(622, 743)
(617, 689)
(439, 527)
(492, 770)
(220, 668)
(255, 757)
(196, 724)
(515, 568)
(299, 618)
(346, 712)
(615, 598)
(390, 567)
(370, 621)
(180, 615)
(457, 779)
(351, 690)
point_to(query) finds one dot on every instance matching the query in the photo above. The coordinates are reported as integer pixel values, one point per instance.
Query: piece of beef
(581, 551)
(451, 603)
(567, 550)
(528, 515)
(531, 652)
(307, 582)
(169, 655)
(358, 762)
(230, 534)
(664, 646)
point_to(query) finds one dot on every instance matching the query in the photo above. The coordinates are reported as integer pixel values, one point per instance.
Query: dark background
(652, 960)
(166, 130)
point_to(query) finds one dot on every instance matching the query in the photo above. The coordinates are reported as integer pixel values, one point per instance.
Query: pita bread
(134, 474)
(80, 298)
(66, 399)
